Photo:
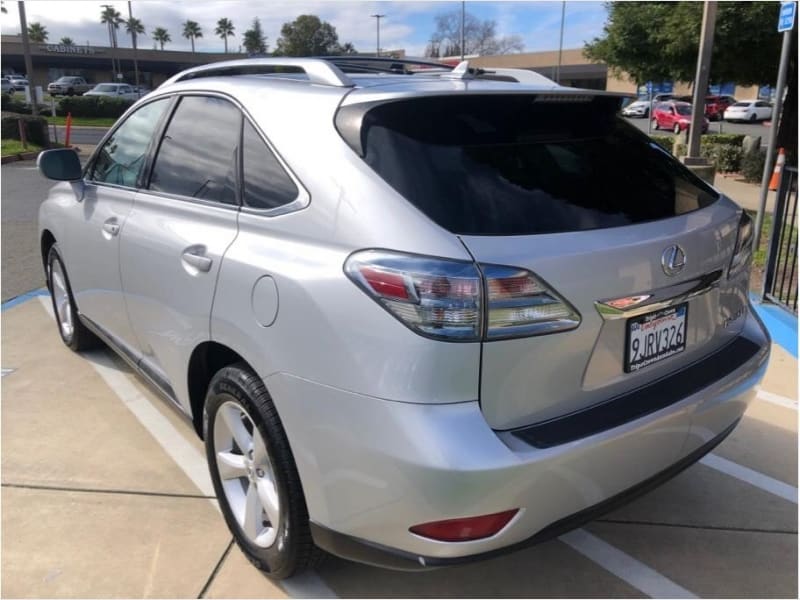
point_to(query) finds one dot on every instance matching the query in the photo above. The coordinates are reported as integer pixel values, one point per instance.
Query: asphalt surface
(82, 135)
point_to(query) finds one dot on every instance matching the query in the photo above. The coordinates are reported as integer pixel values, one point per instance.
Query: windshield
(105, 87)
(513, 165)
(683, 109)
(64, 80)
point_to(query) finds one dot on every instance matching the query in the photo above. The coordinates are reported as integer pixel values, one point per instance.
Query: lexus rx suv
(419, 315)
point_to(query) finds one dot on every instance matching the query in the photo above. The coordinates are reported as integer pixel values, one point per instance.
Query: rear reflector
(463, 530)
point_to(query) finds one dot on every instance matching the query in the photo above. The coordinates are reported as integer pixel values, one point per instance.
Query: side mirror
(62, 164)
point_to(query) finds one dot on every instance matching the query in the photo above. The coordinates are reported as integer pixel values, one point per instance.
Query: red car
(716, 106)
(676, 116)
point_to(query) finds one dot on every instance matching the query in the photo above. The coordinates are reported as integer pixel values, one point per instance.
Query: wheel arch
(206, 360)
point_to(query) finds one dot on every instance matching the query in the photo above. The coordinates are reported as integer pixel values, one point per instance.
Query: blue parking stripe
(24, 298)
(781, 324)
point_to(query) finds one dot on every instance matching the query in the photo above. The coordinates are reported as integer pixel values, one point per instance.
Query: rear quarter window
(512, 165)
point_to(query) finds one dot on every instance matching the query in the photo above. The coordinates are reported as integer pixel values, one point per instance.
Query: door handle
(111, 226)
(196, 257)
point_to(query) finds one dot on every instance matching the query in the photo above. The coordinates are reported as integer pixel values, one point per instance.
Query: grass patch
(83, 121)
(9, 147)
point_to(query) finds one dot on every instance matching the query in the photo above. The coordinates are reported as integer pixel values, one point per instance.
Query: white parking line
(759, 480)
(627, 568)
(776, 399)
(186, 456)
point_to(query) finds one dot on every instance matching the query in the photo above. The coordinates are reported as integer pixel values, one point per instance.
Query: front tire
(73, 332)
(254, 474)
(676, 129)
(752, 118)
(655, 124)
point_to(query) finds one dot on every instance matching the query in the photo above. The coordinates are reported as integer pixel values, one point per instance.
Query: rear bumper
(372, 468)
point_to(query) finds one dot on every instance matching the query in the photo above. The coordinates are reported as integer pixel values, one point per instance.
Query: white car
(7, 86)
(114, 90)
(639, 108)
(20, 82)
(749, 110)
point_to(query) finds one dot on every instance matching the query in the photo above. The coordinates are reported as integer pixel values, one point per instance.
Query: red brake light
(462, 530)
(390, 285)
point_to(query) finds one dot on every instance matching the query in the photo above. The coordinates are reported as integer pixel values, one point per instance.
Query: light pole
(378, 31)
(463, 19)
(561, 41)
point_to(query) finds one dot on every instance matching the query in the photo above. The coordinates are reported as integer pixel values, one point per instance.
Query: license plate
(655, 336)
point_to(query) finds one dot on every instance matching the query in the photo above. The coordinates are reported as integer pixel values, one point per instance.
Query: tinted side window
(266, 184)
(122, 156)
(197, 156)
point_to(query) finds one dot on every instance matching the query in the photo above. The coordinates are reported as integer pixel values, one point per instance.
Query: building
(94, 63)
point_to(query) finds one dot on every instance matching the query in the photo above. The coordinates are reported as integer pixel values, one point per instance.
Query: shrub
(753, 165)
(17, 104)
(725, 157)
(35, 128)
(665, 141)
(92, 106)
(727, 139)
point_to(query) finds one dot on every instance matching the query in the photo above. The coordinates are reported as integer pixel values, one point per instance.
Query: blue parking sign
(786, 16)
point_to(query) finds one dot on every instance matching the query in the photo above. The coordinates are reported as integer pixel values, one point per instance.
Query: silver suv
(419, 315)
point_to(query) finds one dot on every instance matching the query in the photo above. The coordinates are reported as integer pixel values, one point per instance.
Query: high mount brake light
(453, 300)
(743, 251)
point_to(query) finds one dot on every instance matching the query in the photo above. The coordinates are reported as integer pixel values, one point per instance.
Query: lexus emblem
(673, 260)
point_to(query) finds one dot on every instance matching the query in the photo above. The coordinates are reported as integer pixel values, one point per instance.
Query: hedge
(92, 106)
(35, 128)
(753, 165)
(665, 141)
(17, 104)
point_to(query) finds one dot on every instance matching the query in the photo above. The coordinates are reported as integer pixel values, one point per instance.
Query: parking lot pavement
(105, 494)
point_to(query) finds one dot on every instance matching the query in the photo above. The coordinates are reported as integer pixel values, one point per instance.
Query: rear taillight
(454, 300)
(743, 251)
(463, 530)
(518, 304)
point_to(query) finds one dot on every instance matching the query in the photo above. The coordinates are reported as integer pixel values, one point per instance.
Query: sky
(408, 24)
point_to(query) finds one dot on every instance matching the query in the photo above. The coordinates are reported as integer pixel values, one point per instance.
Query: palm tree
(223, 30)
(161, 36)
(111, 17)
(191, 30)
(37, 32)
(67, 41)
(135, 28)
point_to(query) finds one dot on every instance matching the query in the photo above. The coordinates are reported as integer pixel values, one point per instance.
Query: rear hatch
(619, 232)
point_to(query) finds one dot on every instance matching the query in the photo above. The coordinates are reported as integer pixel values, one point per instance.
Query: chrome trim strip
(660, 298)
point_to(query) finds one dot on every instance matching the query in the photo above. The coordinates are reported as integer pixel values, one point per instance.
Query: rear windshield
(512, 165)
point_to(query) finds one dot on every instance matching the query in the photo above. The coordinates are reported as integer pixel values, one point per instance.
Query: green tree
(111, 17)
(134, 28)
(224, 30)
(37, 32)
(348, 48)
(192, 30)
(254, 40)
(307, 35)
(161, 36)
(66, 41)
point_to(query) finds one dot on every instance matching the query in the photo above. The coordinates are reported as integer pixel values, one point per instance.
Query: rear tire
(73, 332)
(254, 475)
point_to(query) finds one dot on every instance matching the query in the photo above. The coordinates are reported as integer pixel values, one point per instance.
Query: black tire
(646, 113)
(655, 124)
(676, 129)
(78, 337)
(752, 118)
(70, 92)
(293, 549)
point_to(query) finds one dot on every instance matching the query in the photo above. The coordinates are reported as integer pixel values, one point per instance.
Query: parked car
(717, 105)
(20, 82)
(640, 108)
(749, 110)
(676, 116)
(68, 86)
(7, 86)
(114, 90)
(417, 319)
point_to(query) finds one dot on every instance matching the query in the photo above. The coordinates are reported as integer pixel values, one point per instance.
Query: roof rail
(353, 63)
(318, 71)
(521, 75)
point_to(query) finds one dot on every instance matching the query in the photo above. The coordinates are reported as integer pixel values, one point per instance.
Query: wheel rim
(247, 474)
(655, 123)
(61, 299)
(677, 129)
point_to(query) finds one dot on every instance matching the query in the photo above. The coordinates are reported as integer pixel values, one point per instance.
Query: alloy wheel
(61, 299)
(247, 474)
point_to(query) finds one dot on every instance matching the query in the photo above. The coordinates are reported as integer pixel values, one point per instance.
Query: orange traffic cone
(776, 172)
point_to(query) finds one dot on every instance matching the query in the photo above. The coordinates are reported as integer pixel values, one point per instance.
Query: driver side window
(122, 157)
